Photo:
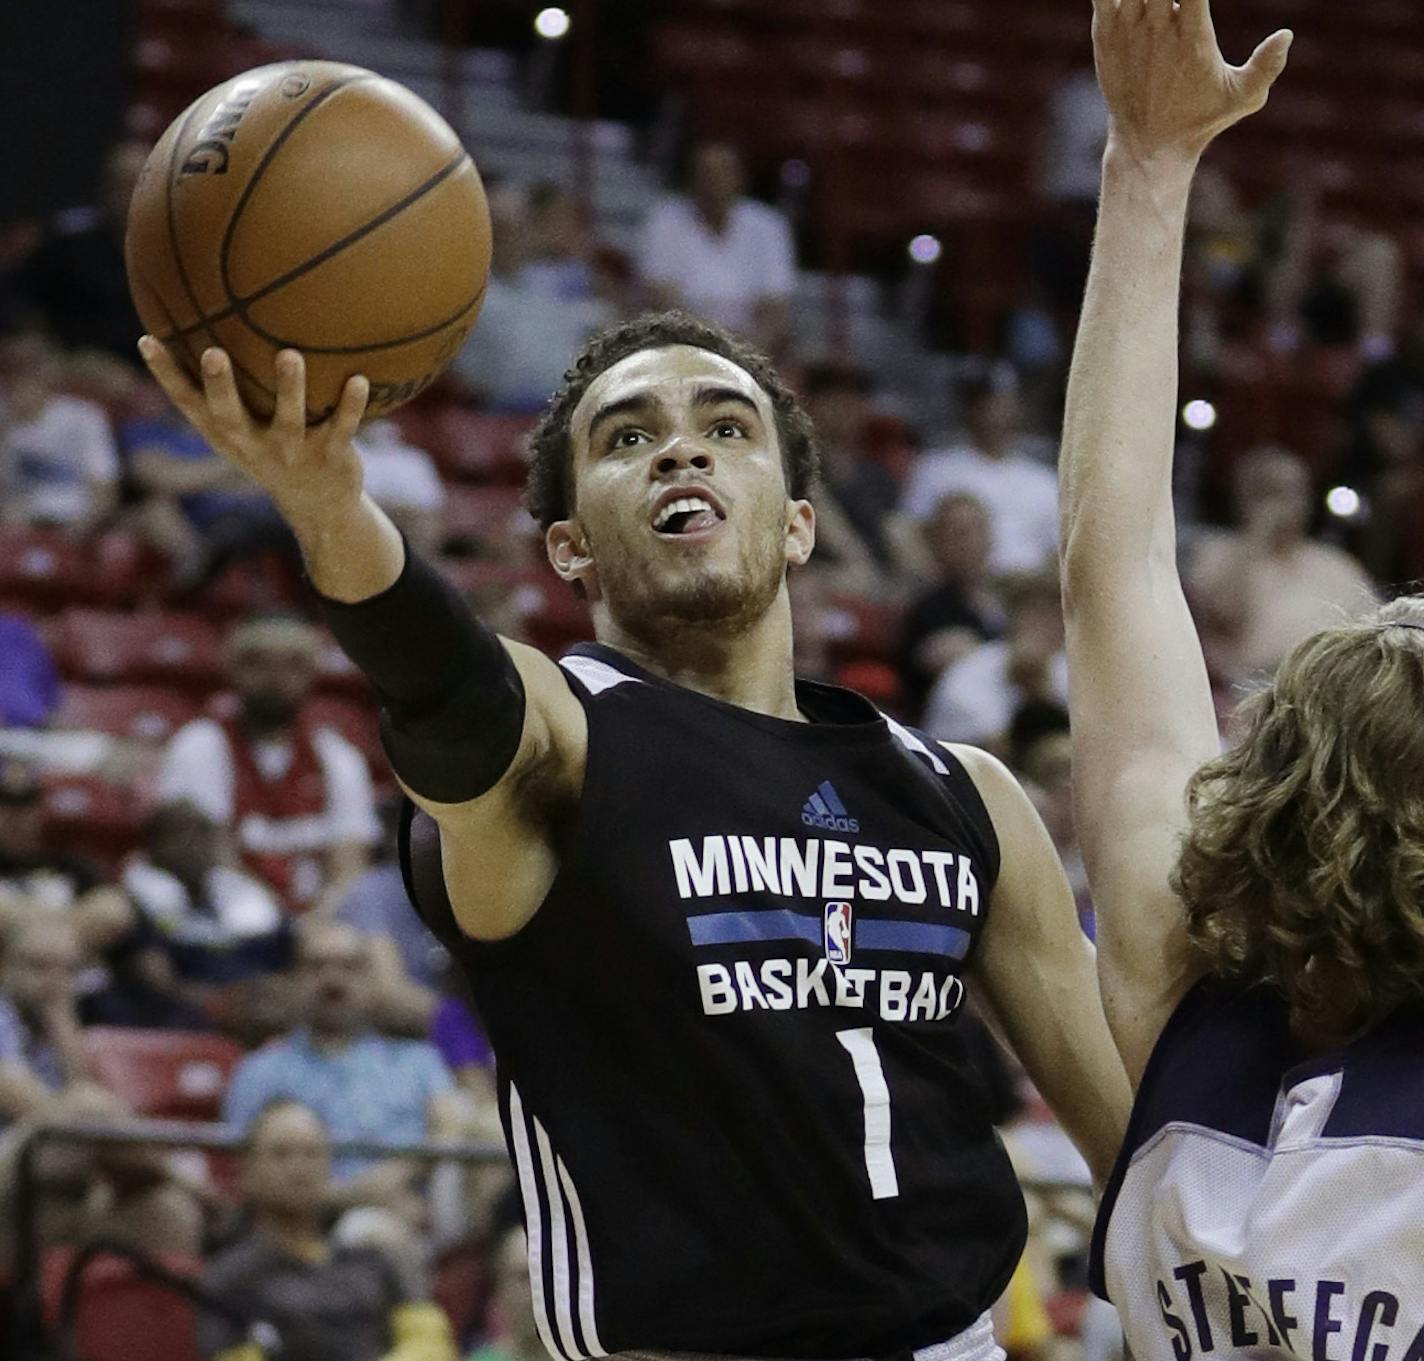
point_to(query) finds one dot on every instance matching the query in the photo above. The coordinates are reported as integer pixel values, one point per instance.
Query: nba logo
(838, 933)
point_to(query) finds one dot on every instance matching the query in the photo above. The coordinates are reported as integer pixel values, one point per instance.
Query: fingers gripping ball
(315, 206)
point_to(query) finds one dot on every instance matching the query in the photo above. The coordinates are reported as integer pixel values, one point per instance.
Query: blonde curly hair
(1303, 863)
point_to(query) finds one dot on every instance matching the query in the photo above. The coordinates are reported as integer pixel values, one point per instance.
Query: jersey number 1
(860, 1045)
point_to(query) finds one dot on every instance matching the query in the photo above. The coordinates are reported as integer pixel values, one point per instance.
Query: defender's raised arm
(1142, 714)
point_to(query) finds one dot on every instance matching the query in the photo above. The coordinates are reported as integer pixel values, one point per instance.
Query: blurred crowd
(255, 894)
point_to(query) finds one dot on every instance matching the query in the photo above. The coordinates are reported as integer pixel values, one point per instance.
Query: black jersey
(742, 1116)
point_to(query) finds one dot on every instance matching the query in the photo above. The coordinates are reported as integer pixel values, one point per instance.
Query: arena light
(1199, 415)
(551, 23)
(1343, 502)
(925, 249)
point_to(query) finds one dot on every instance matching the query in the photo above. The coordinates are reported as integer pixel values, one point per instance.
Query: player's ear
(568, 551)
(800, 532)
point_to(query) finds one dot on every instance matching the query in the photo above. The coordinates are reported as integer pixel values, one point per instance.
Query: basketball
(314, 206)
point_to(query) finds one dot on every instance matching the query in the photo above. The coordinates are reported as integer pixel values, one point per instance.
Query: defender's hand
(312, 473)
(1168, 89)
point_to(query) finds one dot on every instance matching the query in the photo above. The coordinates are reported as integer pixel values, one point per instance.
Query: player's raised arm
(466, 717)
(1142, 714)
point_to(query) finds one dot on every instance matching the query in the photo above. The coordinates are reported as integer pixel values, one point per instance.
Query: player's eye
(727, 428)
(627, 438)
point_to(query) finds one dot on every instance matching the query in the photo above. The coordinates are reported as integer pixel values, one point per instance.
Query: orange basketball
(313, 206)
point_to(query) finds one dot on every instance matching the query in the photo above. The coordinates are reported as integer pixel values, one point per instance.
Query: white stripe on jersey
(566, 1234)
(558, 1243)
(529, 1191)
(909, 740)
(585, 1264)
(596, 675)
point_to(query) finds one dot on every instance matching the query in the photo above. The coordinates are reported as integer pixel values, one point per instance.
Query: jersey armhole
(966, 794)
(1196, 999)
(418, 851)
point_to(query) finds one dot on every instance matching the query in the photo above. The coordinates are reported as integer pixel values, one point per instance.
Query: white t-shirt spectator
(1019, 492)
(720, 277)
(51, 466)
(1072, 164)
(974, 700)
(396, 473)
(198, 765)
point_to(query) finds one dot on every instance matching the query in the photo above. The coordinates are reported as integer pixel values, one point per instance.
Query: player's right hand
(1169, 91)
(312, 473)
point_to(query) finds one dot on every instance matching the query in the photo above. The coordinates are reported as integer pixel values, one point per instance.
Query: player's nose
(681, 452)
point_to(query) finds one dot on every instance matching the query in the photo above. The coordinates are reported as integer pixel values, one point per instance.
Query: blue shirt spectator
(363, 1085)
(372, 1088)
(29, 683)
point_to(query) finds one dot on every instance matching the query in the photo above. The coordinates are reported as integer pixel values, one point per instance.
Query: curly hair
(548, 492)
(1303, 862)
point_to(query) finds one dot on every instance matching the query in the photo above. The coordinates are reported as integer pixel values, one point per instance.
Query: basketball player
(1260, 926)
(719, 922)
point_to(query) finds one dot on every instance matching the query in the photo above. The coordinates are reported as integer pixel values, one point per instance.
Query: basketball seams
(239, 307)
(180, 266)
(268, 156)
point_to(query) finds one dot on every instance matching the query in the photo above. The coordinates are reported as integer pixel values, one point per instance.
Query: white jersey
(1266, 1207)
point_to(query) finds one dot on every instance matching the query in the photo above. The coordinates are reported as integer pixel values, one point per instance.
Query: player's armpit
(1037, 969)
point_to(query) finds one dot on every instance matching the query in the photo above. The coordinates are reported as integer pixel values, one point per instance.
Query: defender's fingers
(225, 407)
(346, 419)
(1266, 64)
(167, 373)
(290, 415)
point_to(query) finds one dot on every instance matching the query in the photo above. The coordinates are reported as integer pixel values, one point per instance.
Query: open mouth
(690, 514)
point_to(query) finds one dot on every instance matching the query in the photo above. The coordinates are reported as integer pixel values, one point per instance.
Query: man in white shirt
(297, 795)
(974, 700)
(720, 254)
(58, 461)
(994, 465)
(404, 482)
(1266, 586)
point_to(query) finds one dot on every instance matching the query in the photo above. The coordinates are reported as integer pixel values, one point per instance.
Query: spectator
(996, 465)
(404, 482)
(362, 1084)
(296, 793)
(527, 330)
(406, 960)
(29, 683)
(137, 1194)
(207, 929)
(322, 1299)
(41, 1049)
(58, 463)
(949, 619)
(1041, 755)
(1266, 586)
(77, 279)
(197, 509)
(857, 524)
(975, 700)
(720, 254)
(513, 1335)
(38, 882)
(563, 261)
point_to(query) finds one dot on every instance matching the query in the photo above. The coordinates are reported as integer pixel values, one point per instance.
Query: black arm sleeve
(452, 701)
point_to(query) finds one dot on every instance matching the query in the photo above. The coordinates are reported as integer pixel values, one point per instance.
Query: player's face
(681, 515)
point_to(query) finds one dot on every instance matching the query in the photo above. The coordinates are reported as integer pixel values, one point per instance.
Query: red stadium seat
(122, 1316)
(477, 517)
(163, 1074)
(93, 816)
(45, 566)
(174, 648)
(145, 713)
(476, 446)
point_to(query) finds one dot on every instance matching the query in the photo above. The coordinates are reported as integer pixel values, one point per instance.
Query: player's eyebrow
(636, 404)
(720, 396)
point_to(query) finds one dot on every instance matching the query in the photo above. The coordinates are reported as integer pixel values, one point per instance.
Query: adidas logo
(825, 809)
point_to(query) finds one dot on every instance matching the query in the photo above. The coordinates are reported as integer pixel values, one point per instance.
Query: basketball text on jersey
(831, 875)
(1371, 1324)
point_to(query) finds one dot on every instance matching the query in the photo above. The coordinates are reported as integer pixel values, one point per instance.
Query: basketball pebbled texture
(315, 206)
